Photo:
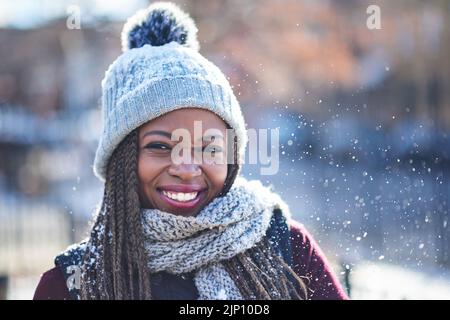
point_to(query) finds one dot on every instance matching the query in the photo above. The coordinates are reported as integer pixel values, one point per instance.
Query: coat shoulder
(52, 286)
(58, 282)
(311, 264)
(299, 233)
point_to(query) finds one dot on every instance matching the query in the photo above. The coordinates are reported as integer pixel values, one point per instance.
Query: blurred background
(364, 119)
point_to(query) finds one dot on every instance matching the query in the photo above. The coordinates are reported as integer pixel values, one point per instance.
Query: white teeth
(180, 196)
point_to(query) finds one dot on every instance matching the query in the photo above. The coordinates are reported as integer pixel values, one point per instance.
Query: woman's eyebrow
(158, 133)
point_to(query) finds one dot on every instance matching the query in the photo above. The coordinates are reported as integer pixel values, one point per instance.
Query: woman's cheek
(149, 166)
(217, 173)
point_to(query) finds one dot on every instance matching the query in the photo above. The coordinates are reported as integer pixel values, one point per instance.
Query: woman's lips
(182, 196)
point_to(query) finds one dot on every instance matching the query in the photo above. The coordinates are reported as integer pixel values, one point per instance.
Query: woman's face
(180, 185)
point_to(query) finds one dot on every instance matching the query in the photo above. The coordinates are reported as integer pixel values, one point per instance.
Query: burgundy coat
(308, 260)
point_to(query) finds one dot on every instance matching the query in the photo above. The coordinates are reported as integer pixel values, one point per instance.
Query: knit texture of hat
(161, 70)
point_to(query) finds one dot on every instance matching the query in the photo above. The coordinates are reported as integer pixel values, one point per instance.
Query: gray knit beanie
(161, 70)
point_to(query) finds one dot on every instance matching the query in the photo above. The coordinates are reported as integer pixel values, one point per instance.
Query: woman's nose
(185, 171)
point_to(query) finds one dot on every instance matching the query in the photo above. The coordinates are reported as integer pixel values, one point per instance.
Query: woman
(170, 229)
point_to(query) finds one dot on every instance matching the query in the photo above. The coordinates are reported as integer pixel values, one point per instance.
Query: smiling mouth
(183, 198)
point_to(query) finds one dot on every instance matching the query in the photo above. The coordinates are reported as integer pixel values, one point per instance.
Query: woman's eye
(157, 146)
(212, 149)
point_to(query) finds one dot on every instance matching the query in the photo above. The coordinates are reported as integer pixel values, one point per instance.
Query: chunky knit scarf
(228, 225)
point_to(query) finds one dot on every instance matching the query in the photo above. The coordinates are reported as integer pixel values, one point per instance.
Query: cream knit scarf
(228, 225)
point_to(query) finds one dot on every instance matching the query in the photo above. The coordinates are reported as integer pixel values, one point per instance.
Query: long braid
(138, 271)
(120, 271)
(261, 274)
(117, 226)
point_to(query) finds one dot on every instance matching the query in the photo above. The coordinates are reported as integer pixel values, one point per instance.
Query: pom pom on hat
(159, 24)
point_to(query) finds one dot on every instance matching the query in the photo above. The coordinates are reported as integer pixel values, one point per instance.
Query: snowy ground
(390, 282)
